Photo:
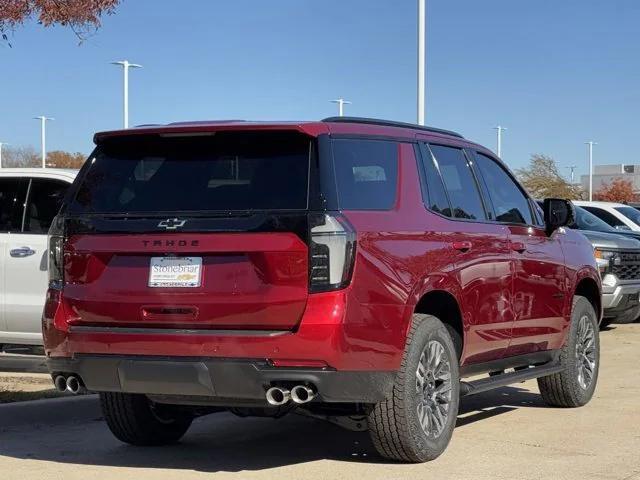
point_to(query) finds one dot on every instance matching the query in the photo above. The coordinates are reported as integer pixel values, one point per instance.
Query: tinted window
(586, 220)
(13, 192)
(222, 172)
(459, 182)
(435, 195)
(631, 213)
(366, 174)
(45, 199)
(609, 218)
(509, 203)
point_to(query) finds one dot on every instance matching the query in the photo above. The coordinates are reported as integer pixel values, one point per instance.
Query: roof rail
(390, 123)
(205, 122)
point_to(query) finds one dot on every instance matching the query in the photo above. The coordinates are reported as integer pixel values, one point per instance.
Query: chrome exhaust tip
(60, 383)
(302, 394)
(277, 396)
(73, 385)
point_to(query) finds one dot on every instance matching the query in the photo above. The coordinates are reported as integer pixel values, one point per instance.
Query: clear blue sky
(556, 73)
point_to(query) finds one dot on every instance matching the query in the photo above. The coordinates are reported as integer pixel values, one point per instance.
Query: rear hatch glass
(225, 171)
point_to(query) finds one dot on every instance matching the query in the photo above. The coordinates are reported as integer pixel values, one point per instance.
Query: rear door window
(13, 192)
(631, 213)
(435, 196)
(45, 199)
(366, 173)
(607, 217)
(228, 171)
(460, 183)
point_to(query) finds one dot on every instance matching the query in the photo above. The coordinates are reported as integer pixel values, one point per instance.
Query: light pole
(125, 69)
(572, 169)
(499, 131)
(422, 44)
(43, 134)
(1, 145)
(341, 103)
(591, 144)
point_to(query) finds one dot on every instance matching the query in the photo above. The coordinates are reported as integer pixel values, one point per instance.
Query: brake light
(56, 254)
(331, 252)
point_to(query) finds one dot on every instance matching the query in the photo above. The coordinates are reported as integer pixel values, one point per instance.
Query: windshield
(223, 172)
(631, 213)
(588, 221)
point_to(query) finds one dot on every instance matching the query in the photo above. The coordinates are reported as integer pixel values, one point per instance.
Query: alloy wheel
(585, 352)
(433, 388)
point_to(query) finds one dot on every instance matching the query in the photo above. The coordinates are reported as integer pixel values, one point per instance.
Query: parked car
(29, 200)
(618, 256)
(350, 269)
(618, 215)
(617, 253)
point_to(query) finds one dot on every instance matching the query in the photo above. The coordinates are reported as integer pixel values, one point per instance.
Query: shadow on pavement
(70, 431)
(496, 402)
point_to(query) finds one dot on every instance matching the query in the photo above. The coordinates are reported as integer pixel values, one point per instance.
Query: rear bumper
(220, 381)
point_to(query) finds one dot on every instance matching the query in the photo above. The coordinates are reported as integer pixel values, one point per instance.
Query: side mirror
(558, 213)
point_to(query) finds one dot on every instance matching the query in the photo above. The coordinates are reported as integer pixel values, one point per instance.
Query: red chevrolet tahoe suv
(363, 271)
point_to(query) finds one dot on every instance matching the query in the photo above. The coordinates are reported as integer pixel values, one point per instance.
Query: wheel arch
(444, 305)
(590, 289)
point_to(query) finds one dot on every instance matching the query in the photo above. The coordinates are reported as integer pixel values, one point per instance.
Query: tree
(82, 16)
(60, 159)
(543, 180)
(619, 190)
(27, 157)
(20, 157)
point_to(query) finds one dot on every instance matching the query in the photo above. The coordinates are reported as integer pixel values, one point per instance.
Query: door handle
(464, 246)
(519, 247)
(22, 252)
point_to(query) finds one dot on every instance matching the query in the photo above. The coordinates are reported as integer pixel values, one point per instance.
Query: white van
(29, 199)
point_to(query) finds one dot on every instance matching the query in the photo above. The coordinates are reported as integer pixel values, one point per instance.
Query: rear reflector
(298, 363)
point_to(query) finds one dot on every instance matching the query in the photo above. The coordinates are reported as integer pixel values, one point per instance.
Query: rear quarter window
(366, 173)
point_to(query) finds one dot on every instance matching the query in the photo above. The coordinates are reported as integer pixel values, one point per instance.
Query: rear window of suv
(225, 171)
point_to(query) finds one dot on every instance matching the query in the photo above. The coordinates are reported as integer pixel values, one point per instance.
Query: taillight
(331, 252)
(56, 254)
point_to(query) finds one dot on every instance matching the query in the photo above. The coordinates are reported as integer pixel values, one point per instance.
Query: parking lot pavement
(505, 434)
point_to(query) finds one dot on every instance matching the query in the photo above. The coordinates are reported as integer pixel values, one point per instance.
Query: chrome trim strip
(180, 331)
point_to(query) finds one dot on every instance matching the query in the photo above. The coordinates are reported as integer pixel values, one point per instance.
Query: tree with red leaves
(82, 16)
(619, 190)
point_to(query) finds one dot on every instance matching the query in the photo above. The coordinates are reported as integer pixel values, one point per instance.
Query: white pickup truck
(29, 199)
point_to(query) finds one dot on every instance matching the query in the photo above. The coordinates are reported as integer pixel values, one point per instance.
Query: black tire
(629, 316)
(135, 420)
(605, 322)
(394, 425)
(564, 389)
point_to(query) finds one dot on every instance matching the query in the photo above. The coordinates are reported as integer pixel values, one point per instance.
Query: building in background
(605, 174)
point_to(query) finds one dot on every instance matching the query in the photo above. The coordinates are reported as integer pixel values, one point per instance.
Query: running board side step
(505, 379)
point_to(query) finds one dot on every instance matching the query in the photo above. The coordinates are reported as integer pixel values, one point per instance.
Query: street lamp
(1, 145)
(43, 136)
(590, 145)
(499, 131)
(572, 169)
(125, 69)
(341, 103)
(422, 44)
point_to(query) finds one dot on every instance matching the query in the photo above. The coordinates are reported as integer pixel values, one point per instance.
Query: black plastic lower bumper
(206, 378)
(629, 307)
